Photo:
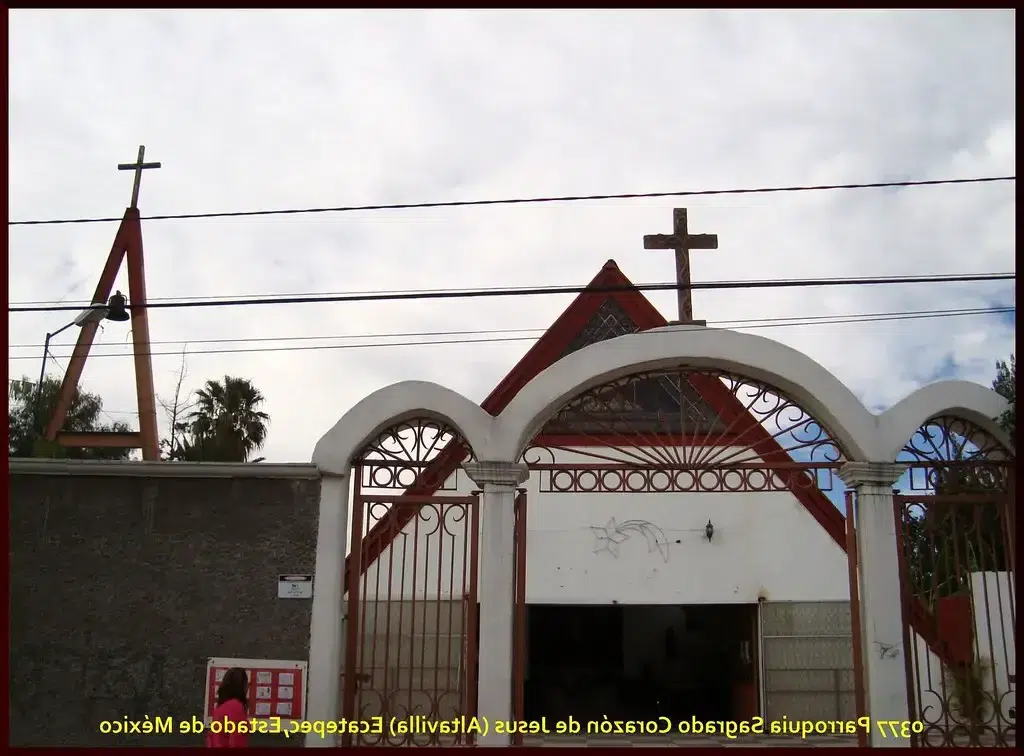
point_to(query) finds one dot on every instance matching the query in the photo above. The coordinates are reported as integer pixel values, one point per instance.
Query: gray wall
(124, 583)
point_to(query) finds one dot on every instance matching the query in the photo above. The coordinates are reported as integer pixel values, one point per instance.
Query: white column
(499, 481)
(885, 671)
(323, 689)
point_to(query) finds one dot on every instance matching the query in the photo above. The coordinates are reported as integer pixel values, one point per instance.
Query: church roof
(596, 315)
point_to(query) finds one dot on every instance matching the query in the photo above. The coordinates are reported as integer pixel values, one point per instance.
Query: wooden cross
(138, 166)
(682, 242)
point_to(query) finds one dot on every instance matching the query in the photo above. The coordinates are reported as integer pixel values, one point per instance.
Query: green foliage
(1005, 385)
(225, 424)
(28, 418)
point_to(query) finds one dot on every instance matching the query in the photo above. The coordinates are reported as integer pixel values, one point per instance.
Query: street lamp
(115, 310)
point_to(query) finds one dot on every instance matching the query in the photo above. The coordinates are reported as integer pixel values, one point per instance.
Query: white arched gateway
(677, 476)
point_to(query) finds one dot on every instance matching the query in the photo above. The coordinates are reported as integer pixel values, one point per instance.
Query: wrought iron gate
(411, 593)
(955, 534)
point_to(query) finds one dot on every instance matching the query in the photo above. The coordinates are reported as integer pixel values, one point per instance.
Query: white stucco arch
(392, 404)
(963, 399)
(805, 381)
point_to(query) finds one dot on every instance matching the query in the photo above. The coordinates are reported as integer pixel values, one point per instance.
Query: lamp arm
(42, 369)
(39, 386)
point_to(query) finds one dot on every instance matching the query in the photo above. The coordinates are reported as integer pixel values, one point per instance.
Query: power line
(785, 322)
(804, 319)
(542, 290)
(527, 200)
(329, 295)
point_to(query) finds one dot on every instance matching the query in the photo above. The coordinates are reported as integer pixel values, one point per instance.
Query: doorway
(638, 662)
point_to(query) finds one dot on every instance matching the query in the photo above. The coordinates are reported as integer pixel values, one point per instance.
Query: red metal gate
(957, 585)
(410, 657)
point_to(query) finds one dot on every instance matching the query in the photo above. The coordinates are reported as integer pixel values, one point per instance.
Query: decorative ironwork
(957, 581)
(683, 430)
(411, 623)
(609, 322)
(404, 455)
(951, 455)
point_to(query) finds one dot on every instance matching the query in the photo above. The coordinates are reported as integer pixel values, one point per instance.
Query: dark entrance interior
(635, 662)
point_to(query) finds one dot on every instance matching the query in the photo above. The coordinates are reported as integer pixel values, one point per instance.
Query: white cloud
(288, 109)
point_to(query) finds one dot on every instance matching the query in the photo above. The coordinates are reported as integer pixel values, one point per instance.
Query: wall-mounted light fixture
(709, 531)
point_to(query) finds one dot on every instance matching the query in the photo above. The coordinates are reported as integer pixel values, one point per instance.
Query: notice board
(276, 688)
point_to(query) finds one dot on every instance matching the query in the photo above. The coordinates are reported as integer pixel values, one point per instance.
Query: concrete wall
(126, 577)
(765, 545)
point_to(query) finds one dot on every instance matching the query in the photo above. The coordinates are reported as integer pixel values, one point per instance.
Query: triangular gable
(595, 316)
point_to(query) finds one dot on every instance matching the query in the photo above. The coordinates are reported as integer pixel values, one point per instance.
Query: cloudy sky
(266, 109)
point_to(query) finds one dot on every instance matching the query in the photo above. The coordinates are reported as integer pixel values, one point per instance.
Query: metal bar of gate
(859, 694)
(471, 636)
(353, 615)
(519, 624)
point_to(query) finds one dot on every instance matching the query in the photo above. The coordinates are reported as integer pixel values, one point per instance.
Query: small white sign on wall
(295, 586)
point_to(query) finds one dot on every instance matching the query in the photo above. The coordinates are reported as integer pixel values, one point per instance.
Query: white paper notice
(263, 691)
(284, 692)
(264, 678)
(220, 675)
(263, 709)
(284, 708)
(286, 678)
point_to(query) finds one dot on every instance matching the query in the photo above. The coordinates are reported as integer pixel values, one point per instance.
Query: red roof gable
(556, 342)
(548, 349)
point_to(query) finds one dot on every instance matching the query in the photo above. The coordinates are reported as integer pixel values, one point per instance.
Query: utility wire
(526, 200)
(329, 295)
(803, 319)
(542, 290)
(838, 319)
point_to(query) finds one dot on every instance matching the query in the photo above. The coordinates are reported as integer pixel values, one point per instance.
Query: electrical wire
(525, 200)
(492, 331)
(807, 321)
(542, 290)
(330, 295)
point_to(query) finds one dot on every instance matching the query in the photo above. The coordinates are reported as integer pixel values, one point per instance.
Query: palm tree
(227, 424)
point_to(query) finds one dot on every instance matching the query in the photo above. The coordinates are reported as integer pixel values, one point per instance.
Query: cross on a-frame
(138, 166)
(682, 242)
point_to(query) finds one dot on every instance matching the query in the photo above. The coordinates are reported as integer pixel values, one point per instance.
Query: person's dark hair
(234, 685)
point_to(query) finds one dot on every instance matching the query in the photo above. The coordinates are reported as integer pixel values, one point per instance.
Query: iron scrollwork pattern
(400, 456)
(957, 561)
(954, 455)
(683, 429)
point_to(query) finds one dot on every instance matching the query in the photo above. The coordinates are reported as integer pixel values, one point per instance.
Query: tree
(226, 423)
(173, 447)
(28, 418)
(1005, 385)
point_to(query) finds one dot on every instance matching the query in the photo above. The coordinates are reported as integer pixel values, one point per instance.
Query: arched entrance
(700, 439)
(680, 413)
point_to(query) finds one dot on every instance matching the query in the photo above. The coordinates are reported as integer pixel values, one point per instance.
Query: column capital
(880, 474)
(509, 474)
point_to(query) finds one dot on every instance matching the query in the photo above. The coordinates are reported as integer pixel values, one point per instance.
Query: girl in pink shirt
(232, 706)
